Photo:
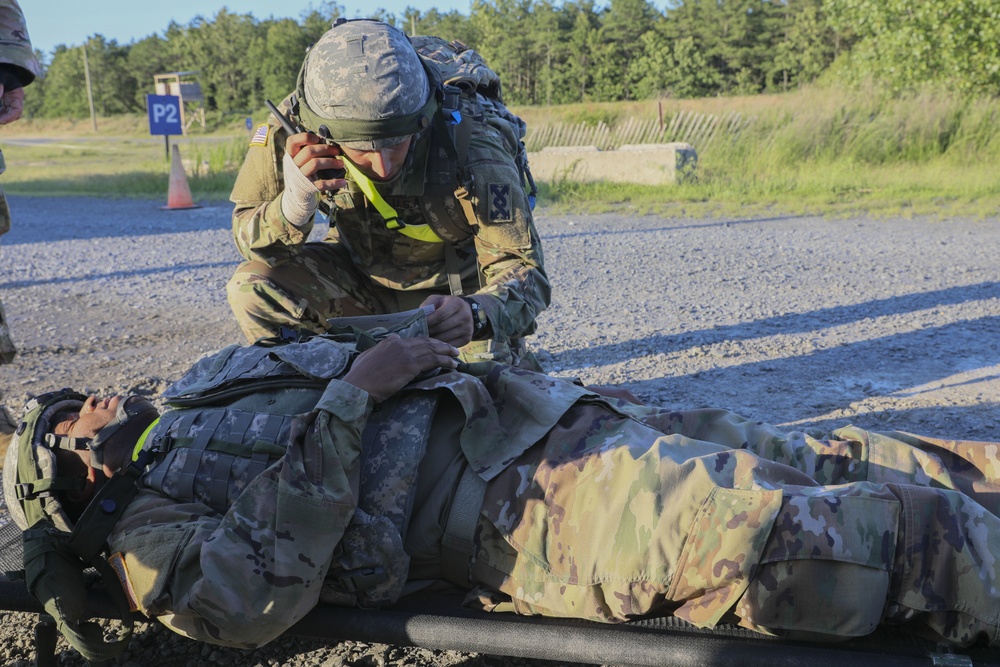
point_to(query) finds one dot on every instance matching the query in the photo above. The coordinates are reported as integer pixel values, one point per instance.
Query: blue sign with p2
(164, 114)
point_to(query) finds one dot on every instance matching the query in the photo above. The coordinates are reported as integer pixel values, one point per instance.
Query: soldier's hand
(451, 320)
(311, 155)
(394, 362)
(11, 104)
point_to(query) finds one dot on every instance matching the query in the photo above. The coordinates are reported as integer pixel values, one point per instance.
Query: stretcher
(438, 621)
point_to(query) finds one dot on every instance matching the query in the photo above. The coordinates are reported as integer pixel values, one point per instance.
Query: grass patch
(819, 188)
(817, 151)
(825, 151)
(119, 167)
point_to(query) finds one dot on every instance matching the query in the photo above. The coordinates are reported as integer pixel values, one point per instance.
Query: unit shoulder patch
(500, 202)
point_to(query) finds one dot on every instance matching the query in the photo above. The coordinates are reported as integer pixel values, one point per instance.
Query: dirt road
(800, 321)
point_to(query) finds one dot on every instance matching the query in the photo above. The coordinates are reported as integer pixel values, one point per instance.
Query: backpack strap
(102, 513)
(458, 542)
(446, 177)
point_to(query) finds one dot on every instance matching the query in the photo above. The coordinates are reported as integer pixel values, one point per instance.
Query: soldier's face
(93, 416)
(380, 165)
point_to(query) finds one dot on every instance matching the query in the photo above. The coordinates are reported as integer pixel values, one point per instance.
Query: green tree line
(572, 51)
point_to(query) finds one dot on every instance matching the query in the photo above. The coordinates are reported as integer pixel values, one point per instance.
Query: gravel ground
(801, 321)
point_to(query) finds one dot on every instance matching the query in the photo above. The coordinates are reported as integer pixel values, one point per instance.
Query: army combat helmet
(31, 480)
(365, 83)
(31, 483)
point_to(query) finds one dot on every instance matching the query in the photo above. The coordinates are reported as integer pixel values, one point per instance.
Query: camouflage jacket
(242, 572)
(502, 263)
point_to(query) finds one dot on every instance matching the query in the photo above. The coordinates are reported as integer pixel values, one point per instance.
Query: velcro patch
(117, 562)
(260, 135)
(500, 202)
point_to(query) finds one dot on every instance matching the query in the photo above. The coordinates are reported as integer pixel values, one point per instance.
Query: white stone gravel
(803, 321)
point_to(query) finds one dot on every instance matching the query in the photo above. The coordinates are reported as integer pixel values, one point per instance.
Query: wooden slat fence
(697, 129)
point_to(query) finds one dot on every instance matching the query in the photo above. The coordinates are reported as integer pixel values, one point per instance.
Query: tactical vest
(434, 188)
(233, 416)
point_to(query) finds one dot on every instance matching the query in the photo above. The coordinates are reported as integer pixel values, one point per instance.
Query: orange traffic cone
(179, 194)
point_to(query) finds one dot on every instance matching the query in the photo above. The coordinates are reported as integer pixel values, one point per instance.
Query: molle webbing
(392, 445)
(211, 454)
(370, 567)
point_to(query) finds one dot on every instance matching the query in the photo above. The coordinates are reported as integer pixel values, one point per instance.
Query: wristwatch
(479, 321)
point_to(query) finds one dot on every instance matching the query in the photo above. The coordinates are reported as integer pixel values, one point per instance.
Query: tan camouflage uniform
(16, 52)
(603, 510)
(364, 268)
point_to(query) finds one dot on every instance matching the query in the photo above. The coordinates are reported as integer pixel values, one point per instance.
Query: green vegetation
(550, 52)
(829, 151)
(120, 167)
(830, 105)
(816, 150)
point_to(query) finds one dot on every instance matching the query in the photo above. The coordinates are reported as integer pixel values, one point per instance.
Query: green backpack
(461, 70)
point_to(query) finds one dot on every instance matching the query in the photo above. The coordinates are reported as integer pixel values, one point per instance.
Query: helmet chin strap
(54, 442)
(128, 410)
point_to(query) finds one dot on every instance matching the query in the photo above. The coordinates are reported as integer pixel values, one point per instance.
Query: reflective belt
(419, 232)
(458, 542)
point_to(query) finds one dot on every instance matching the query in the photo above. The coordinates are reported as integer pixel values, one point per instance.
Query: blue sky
(70, 22)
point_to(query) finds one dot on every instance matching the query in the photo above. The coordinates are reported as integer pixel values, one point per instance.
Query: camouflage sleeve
(15, 45)
(243, 578)
(516, 287)
(260, 230)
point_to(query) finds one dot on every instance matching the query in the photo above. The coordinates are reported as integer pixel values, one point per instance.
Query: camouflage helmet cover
(364, 80)
(30, 461)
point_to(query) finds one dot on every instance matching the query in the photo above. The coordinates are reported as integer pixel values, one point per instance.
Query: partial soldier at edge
(18, 68)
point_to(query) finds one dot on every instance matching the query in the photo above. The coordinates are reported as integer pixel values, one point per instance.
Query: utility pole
(90, 92)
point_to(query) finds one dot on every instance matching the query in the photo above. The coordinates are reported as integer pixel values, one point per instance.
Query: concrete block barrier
(648, 164)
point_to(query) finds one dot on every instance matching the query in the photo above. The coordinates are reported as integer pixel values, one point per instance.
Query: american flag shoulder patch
(117, 562)
(260, 135)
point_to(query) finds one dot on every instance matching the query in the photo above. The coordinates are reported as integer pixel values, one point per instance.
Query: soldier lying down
(287, 475)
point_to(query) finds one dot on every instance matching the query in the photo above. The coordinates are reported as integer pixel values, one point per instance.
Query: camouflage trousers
(320, 282)
(715, 518)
